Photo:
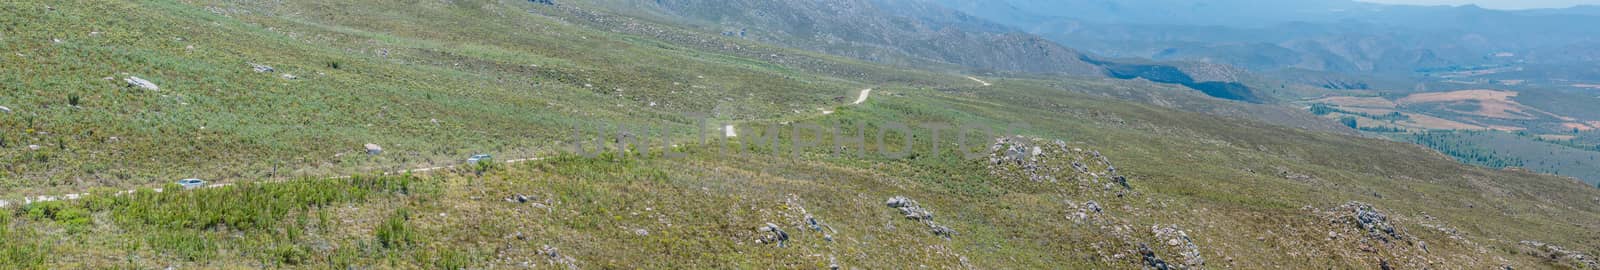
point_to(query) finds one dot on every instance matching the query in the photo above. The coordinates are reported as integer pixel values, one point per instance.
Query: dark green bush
(74, 218)
(394, 234)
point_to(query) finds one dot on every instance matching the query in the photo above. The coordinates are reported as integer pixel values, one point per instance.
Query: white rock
(374, 149)
(141, 83)
(261, 68)
(34, 147)
(5, 109)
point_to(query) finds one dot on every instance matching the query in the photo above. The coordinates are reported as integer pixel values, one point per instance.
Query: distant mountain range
(1321, 35)
(919, 33)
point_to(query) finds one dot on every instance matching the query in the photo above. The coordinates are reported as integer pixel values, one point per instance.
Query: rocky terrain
(349, 135)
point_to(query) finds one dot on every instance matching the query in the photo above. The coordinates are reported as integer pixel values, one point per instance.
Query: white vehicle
(192, 183)
(479, 157)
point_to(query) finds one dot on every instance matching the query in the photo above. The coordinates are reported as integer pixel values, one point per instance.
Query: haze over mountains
(1323, 35)
(881, 31)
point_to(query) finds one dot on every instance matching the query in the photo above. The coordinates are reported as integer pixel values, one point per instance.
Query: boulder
(943, 231)
(916, 213)
(374, 149)
(519, 198)
(1150, 259)
(813, 223)
(261, 68)
(899, 201)
(141, 83)
(776, 235)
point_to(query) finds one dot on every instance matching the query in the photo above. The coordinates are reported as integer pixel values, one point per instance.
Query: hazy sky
(1496, 4)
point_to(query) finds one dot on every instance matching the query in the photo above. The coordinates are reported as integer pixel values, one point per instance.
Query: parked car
(479, 157)
(192, 183)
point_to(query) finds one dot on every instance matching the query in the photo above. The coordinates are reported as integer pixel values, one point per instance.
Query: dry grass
(1490, 103)
(1430, 122)
(1366, 102)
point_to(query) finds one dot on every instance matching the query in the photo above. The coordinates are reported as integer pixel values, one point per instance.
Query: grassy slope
(397, 73)
(1216, 178)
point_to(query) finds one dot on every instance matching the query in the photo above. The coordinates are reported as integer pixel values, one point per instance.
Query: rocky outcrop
(1038, 160)
(259, 68)
(1178, 239)
(141, 83)
(1150, 259)
(771, 233)
(1560, 255)
(914, 211)
(1374, 223)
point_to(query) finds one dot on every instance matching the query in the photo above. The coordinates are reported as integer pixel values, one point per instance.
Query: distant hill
(886, 31)
(1323, 35)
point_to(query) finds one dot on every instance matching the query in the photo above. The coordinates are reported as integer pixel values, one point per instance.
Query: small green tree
(1321, 109)
(1349, 122)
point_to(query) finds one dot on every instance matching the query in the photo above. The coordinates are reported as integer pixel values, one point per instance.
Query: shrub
(189, 246)
(451, 259)
(248, 206)
(75, 219)
(394, 233)
(288, 254)
(19, 250)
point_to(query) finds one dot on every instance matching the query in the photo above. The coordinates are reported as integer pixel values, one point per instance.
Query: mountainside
(887, 31)
(1324, 35)
(335, 135)
(1319, 54)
